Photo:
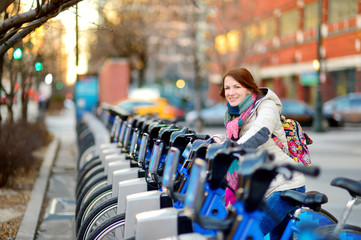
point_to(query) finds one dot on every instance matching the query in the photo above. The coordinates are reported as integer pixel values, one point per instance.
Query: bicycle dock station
(134, 182)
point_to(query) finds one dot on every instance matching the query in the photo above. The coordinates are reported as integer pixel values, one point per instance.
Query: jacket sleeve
(261, 125)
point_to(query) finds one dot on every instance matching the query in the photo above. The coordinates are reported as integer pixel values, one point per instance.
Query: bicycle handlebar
(307, 170)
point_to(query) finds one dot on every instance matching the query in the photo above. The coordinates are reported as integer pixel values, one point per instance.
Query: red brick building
(114, 78)
(278, 41)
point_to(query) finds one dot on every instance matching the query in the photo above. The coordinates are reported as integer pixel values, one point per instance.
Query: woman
(252, 115)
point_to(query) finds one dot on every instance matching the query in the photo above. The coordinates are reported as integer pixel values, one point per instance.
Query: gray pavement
(59, 204)
(337, 152)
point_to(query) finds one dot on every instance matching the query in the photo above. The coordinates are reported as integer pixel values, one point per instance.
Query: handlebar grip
(310, 170)
(203, 136)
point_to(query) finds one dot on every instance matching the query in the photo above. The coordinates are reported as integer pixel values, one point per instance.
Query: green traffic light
(18, 53)
(59, 85)
(38, 66)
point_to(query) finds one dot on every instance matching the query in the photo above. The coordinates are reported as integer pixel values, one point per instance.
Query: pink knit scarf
(234, 125)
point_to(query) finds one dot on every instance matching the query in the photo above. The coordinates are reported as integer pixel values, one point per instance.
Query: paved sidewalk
(50, 211)
(51, 215)
(58, 219)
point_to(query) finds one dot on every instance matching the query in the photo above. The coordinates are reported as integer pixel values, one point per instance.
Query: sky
(87, 18)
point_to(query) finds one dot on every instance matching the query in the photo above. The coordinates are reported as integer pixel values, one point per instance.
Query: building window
(250, 33)
(233, 38)
(310, 15)
(267, 28)
(340, 10)
(221, 44)
(289, 22)
(228, 42)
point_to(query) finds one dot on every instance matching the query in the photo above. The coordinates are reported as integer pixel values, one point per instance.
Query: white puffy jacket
(256, 131)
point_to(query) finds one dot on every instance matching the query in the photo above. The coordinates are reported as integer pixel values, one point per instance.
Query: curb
(29, 224)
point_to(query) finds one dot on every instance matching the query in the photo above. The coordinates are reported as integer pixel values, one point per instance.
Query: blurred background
(105, 51)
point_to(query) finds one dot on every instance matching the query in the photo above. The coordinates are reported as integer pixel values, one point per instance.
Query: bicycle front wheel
(316, 218)
(94, 200)
(348, 232)
(109, 229)
(310, 220)
(103, 212)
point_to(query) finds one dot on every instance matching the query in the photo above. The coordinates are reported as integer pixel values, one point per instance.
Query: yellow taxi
(155, 107)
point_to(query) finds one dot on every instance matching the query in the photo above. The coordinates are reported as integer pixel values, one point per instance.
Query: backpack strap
(308, 139)
(277, 140)
(279, 143)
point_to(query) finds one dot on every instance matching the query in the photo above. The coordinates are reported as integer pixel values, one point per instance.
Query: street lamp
(317, 122)
(180, 83)
(316, 64)
(48, 78)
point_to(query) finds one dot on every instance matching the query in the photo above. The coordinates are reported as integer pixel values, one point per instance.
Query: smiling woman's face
(234, 91)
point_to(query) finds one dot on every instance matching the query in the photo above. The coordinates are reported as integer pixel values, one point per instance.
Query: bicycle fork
(353, 201)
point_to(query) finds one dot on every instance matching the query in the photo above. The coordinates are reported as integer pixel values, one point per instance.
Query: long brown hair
(244, 77)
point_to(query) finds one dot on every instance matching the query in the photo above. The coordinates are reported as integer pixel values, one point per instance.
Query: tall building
(279, 41)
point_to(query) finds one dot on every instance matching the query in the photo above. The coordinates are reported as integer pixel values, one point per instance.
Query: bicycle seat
(312, 199)
(352, 186)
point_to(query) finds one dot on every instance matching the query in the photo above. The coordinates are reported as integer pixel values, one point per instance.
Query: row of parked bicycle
(157, 180)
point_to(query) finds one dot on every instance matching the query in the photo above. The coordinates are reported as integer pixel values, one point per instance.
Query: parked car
(213, 115)
(297, 110)
(291, 108)
(347, 107)
(304, 114)
(158, 107)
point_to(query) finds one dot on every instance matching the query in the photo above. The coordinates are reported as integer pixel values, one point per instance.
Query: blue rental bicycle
(255, 174)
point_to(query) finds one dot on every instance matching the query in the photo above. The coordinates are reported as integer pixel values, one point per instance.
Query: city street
(163, 59)
(338, 153)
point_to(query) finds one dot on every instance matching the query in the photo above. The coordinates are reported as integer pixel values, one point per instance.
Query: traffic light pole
(317, 122)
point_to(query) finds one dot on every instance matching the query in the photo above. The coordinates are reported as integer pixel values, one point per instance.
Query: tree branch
(38, 8)
(31, 15)
(19, 35)
(4, 4)
(49, 10)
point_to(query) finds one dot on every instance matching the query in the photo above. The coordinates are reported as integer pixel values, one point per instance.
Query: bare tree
(124, 33)
(16, 25)
(164, 33)
(232, 18)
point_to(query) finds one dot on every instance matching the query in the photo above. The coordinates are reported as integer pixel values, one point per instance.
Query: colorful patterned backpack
(297, 141)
